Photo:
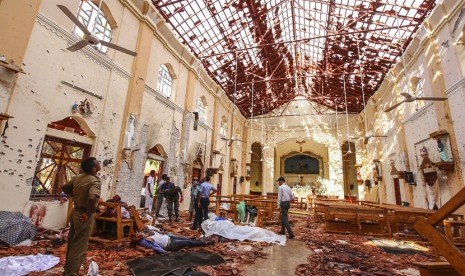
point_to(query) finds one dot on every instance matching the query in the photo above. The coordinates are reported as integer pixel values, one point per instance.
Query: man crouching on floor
(152, 238)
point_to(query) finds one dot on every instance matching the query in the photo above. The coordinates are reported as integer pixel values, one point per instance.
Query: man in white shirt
(285, 197)
(149, 190)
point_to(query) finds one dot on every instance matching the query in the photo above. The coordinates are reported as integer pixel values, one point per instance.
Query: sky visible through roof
(278, 50)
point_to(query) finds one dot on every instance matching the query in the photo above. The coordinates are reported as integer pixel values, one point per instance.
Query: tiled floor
(282, 260)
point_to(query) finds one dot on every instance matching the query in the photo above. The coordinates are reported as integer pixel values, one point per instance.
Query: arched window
(202, 106)
(416, 88)
(60, 157)
(223, 126)
(95, 21)
(165, 81)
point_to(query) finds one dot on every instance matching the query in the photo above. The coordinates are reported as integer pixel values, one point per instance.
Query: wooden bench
(436, 269)
(449, 224)
(356, 219)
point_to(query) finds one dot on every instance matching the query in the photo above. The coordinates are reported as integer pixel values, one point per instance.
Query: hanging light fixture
(261, 155)
(251, 116)
(347, 117)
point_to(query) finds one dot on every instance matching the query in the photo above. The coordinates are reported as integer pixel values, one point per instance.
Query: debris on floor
(348, 254)
(333, 254)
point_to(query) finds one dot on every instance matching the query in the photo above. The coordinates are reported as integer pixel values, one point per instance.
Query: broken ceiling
(277, 50)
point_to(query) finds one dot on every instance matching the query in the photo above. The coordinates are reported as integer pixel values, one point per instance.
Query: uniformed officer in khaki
(85, 191)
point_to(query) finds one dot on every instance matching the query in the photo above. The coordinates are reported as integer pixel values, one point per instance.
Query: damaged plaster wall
(434, 59)
(40, 98)
(131, 174)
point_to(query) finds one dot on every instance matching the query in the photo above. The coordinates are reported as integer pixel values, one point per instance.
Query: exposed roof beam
(307, 39)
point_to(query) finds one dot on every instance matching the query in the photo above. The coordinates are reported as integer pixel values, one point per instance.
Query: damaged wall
(434, 60)
(41, 98)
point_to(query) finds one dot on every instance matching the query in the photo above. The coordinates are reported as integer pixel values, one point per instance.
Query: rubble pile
(349, 254)
(112, 258)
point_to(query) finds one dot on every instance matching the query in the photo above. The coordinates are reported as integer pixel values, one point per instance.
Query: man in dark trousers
(160, 194)
(285, 197)
(198, 211)
(206, 189)
(173, 194)
(85, 191)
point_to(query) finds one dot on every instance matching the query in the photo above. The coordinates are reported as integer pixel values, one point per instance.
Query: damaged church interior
(232, 137)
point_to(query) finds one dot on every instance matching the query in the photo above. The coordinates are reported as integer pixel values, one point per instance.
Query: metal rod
(308, 76)
(363, 89)
(305, 39)
(82, 89)
(294, 115)
(170, 3)
(347, 113)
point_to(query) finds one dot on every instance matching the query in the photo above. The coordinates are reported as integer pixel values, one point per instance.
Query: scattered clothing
(23, 265)
(399, 247)
(15, 228)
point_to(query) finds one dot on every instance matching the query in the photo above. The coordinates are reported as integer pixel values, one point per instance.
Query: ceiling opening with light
(277, 51)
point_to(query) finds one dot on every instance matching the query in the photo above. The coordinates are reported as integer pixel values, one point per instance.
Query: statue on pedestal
(442, 152)
(430, 176)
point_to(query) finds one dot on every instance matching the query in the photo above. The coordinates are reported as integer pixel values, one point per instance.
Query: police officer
(85, 191)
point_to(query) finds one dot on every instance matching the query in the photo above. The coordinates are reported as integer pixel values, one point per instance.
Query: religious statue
(393, 167)
(442, 153)
(430, 176)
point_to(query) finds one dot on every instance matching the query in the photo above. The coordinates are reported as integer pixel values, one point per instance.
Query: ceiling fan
(231, 140)
(409, 98)
(89, 37)
(367, 138)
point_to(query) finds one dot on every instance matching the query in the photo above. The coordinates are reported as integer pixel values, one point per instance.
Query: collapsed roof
(276, 50)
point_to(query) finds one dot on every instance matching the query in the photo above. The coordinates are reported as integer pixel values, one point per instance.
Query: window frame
(165, 81)
(90, 15)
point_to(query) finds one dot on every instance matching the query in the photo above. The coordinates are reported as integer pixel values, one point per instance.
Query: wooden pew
(352, 218)
(425, 227)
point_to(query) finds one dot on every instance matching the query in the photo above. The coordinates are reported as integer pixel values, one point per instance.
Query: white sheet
(228, 230)
(23, 265)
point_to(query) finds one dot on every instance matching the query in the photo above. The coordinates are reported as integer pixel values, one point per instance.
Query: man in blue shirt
(206, 189)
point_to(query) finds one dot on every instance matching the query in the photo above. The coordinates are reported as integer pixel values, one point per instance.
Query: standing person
(85, 191)
(173, 194)
(195, 183)
(195, 195)
(206, 189)
(160, 194)
(285, 196)
(149, 191)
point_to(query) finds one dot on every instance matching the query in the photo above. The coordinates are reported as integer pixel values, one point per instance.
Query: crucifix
(300, 143)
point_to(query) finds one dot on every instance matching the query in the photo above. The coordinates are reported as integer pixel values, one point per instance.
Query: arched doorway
(66, 144)
(197, 167)
(155, 160)
(256, 170)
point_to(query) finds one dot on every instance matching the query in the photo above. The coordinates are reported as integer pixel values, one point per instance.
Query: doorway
(349, 169)
(197, 167)
(397, 191)
(220, 182)
(234, 185)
